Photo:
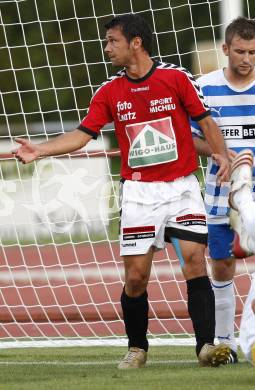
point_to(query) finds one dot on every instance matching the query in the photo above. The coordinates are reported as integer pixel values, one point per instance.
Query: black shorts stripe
(185, 235)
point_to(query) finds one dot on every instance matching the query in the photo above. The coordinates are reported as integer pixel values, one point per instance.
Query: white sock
(243, 199)
(225, 305)
(243, 196)
(247, 213)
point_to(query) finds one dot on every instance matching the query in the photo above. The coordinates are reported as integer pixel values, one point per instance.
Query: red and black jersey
(151, 118)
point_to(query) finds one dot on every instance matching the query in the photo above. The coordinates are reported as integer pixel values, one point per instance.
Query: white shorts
(247, 327)
(150, 209)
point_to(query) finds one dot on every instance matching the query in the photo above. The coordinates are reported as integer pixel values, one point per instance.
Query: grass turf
(95, 368)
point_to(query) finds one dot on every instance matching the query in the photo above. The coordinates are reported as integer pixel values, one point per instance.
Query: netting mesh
(61, 275)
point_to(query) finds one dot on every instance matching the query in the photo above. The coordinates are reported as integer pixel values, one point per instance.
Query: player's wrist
(41, 151)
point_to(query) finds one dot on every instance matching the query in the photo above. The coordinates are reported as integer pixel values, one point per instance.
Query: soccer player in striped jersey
(150, 104)
(230, 92)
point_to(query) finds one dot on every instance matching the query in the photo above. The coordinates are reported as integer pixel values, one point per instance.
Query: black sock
(201, 307)
(135, 316)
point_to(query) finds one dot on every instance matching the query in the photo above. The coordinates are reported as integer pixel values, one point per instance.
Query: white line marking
(96, 363)
(86, 342)
(97, 272)
(91, 363)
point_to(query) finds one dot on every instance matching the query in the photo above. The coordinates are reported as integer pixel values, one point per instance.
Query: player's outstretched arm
(216, 143)
(64, 143)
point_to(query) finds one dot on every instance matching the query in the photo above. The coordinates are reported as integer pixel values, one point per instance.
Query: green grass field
(95, 368)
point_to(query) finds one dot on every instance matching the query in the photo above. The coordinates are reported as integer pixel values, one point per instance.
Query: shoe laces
(129, 356)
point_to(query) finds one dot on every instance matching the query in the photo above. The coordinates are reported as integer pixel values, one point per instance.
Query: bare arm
(215, 147)
(64, 143)
(202, 147)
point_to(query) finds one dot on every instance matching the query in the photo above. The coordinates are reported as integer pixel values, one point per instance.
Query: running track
(73, 290)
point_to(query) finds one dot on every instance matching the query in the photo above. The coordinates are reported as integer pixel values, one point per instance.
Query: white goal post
(61, 275)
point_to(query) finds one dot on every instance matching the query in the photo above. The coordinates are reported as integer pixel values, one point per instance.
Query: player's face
(118, 49)
(241, 56)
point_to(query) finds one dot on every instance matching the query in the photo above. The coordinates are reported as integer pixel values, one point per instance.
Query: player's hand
(223, 173)
(27, 152)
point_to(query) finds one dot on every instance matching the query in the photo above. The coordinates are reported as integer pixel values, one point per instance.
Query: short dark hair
(133, 25)
(241, 26)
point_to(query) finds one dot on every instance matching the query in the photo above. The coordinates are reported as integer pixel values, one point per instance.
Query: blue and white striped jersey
(233, 110)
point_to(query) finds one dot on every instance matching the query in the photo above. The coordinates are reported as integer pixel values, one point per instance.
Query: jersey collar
(151, 71)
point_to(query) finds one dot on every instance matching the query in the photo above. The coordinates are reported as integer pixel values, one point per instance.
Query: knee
(196, 264)
(135, 283)
(223, 270)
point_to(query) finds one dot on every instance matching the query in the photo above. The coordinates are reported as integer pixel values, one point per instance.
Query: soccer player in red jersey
(150, 104)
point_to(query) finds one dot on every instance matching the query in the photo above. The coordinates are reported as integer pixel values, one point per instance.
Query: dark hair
(132, 26)
(241, 26)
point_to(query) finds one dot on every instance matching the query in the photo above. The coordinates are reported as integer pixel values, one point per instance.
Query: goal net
(61, 275)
